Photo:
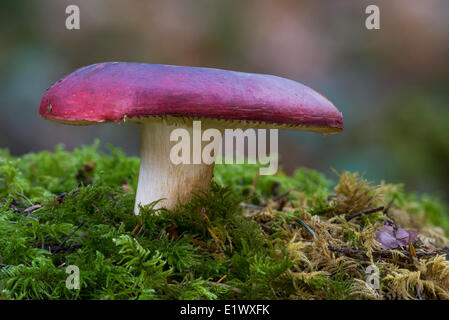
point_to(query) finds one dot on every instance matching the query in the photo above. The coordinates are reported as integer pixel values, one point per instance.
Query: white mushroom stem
(159, 177)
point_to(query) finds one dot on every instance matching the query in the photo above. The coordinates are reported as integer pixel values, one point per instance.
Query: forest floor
(251, 237)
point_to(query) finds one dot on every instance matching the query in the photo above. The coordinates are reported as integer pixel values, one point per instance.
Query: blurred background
(392, 84)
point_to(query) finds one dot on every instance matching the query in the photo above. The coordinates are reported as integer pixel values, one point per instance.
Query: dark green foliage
(76, 208)
(335, 287)
(241, 178)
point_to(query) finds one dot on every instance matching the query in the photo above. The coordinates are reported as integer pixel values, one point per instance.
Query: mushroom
(163, 98)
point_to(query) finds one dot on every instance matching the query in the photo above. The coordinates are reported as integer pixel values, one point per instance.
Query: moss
(76, 208)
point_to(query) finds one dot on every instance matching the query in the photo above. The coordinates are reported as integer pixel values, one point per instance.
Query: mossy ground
(267, 237)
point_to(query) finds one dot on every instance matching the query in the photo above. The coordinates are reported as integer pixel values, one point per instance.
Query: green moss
(160, 254)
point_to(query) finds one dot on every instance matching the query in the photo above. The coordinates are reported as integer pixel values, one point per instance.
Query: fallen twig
(352, 216)
(62, 244)
(136, 228)
(283, 195)
(24, 197)
(32, 208)
(221, 279)
(388, 253)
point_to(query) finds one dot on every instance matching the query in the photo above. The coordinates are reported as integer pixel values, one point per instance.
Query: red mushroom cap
(114, 91)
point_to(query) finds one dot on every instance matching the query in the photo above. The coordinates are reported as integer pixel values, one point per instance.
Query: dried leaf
(389, 238)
